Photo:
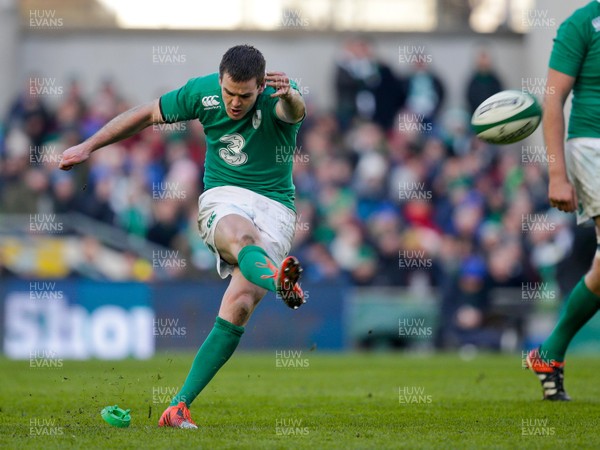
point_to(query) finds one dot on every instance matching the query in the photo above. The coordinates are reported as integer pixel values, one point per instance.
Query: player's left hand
(281, 82)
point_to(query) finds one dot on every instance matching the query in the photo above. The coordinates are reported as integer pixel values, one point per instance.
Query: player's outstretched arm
(561, 192)
(291, 107)
(121, 127)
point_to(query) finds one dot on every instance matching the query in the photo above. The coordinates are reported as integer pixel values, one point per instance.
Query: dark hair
(243, 63)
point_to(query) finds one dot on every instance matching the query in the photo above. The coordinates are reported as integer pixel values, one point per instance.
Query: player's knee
(234, 243)
(246, 239)
(245, 303)
(595, 269)
(592, 278)
(243, 240)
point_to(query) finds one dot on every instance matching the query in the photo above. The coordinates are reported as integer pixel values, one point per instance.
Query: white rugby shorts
(582, 157)
(275, 222)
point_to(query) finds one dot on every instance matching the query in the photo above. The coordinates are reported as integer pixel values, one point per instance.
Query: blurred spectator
(483, 82)
(29, 113)
(64, 194)
(165, 227)
(319, 264)
(353, 254)
(425, 93)
(26, 191)
(466, 303)
(366, 88)
(73, 109)
(97, 206)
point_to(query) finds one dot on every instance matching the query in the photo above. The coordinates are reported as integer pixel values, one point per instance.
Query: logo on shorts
(211, 102)
(211, 219)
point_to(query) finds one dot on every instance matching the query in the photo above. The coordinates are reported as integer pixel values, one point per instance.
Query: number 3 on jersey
(233, 154)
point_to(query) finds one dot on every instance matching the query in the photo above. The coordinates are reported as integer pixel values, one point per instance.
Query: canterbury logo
(211, 219)
(211, 101)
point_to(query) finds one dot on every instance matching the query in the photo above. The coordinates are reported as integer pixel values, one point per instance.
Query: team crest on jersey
(256, 119)
(596, 23)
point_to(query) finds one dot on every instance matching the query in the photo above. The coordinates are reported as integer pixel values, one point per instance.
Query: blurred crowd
(392, 189)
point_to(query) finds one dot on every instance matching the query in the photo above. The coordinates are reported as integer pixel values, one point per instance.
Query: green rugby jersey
(576, 52)
(255, 152)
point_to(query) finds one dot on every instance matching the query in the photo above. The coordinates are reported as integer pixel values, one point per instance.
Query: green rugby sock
(257, 267)
(581, 306)
(214, 352)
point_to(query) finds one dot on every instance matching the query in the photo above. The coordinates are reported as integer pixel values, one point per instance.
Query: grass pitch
(258, 401)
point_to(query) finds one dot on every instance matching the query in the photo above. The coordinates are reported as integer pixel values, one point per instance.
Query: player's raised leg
(239, 242)
(583, 303)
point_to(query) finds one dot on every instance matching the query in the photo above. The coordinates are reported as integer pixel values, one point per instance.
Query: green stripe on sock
(581, 306)
(257, 267)
(214, 352)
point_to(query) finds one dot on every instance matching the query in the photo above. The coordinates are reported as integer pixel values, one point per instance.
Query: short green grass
(341, 401)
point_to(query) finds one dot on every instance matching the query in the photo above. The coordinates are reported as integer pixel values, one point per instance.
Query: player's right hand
(562, 196)
(74, 155)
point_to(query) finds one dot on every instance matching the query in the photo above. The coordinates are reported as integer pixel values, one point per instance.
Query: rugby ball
(506, 117)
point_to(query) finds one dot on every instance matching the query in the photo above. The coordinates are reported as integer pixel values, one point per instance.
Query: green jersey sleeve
(576, 52)
(570, 46)
(185, 103)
